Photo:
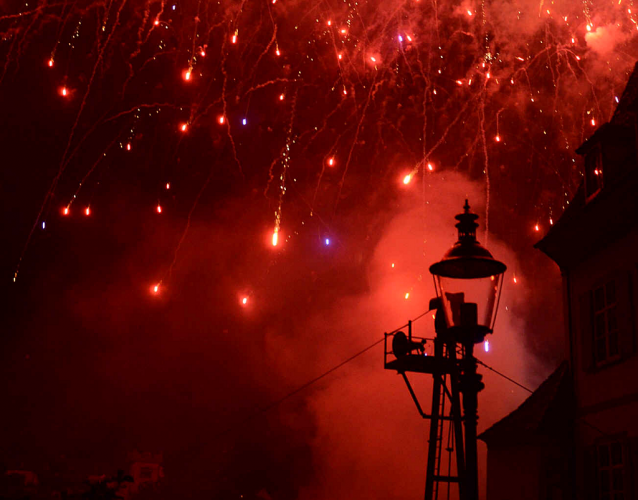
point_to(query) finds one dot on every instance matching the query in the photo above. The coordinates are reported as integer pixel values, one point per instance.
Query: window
(593, 172)
(146, 472)
(611, 471)
(605, 323)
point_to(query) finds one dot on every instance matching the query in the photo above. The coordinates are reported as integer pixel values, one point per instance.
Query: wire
(504, 376)
(277, 402)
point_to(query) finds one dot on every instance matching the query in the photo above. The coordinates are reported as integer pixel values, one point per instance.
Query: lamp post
(468, 282)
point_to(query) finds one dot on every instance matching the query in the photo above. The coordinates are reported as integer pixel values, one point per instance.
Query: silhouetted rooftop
(544, 405)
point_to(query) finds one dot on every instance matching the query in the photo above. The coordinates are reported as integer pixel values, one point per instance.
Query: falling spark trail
(169, 272)
(53, 185)
(487, 171)
(354, 142)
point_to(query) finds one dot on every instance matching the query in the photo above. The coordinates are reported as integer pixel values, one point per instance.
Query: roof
(543, 411)
(585, 226)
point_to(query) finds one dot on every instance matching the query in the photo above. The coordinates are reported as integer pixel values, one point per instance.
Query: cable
(504, 376)
(273, 404)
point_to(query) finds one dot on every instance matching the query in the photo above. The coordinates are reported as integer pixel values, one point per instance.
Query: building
(589, 448)
(146, 470)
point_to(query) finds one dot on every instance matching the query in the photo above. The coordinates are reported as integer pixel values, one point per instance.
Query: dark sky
(94, 364)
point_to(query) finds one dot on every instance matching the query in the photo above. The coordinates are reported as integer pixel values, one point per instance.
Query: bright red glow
(275, 237)
(51, 63)
(156, 23)
(497, 138)
(593, 122)
(407, 295)
(331, 161)
(64, 91)
(128, 146)
(430, 167)
(244, 301)
(187, 75)
(329, 23)
(277, 52)
(407, 179)
(459, 82)
(220, 119)
(159, 209)
(515, 281)
(183, 127)
(340, 57)
(65, 210)
(281, 97)
(168, 185)
(234, 38)
(156, 288)
(87, 211)
(536, 228)
(392, 264)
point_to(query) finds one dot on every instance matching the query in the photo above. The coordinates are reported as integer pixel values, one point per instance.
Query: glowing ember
(183, 127)
(331, 161)
(220, 119)
(430, 167)
(281, 97)
(156, 288)
(187, 75)
(244, 301)
(407, 295)
(168, 185)
(128, 146)
(407, 179)
(497, 138)
(87, 211)
(159, 209)
(275, 238)
(51, 63)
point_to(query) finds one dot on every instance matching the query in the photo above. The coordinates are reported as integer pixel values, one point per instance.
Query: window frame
(623, 466)
(607, 332)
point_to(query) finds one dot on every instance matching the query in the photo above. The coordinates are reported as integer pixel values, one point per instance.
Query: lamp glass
(484, 292)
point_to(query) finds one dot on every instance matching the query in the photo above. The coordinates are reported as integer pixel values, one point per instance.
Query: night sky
(193, 132)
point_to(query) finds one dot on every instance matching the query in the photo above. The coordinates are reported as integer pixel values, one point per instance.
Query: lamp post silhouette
(468, 282)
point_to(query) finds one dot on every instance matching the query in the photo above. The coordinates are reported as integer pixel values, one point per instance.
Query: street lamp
(468, 282)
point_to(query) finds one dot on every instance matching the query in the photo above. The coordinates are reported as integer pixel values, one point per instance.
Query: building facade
(595, 244)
